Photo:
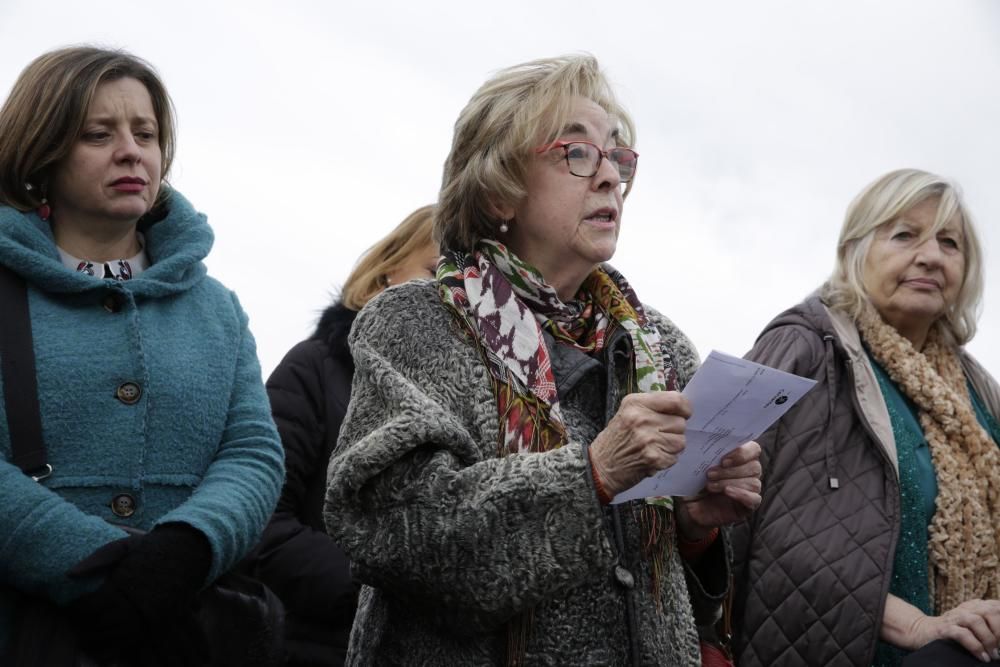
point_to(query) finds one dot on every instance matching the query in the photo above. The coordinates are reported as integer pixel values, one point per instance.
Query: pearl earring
(504, 228)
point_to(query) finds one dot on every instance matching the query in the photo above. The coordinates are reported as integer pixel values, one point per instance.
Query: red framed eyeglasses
(584, 158)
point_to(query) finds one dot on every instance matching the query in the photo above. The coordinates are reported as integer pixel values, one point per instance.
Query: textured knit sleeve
(238, 492)
(42, 535)
(304, 566)
(417, 496)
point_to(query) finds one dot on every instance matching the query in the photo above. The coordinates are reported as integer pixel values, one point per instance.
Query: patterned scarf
(965, 531)
(506, 304)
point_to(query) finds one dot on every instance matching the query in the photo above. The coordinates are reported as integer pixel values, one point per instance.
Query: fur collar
(333, 327)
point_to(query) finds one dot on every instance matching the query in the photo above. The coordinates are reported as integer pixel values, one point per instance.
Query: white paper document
(733, 400)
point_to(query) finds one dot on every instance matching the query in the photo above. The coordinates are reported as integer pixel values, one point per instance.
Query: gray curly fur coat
(453, 543)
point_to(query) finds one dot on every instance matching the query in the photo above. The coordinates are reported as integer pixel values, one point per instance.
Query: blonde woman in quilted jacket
(878, 541)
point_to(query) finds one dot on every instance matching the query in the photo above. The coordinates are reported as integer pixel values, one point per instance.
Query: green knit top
(917, 496)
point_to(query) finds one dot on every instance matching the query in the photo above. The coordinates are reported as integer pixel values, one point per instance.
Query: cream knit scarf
(965, 531)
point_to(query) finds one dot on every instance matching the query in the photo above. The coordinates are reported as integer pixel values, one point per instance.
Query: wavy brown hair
(44, 114)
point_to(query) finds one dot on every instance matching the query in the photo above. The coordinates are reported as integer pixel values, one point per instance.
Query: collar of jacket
(333, 328)
(982, 382)
(838, 332)
(176, 244)
(866, 386)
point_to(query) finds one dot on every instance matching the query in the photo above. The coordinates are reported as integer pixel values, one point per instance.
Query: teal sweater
(198, 447)
(918, 491)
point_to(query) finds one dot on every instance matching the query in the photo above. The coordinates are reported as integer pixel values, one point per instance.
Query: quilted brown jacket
(813, 565)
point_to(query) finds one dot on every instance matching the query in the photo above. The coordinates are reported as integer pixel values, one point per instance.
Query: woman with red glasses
(497, 411)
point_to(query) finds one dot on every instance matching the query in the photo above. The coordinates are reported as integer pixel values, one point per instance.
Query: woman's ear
(500, 210)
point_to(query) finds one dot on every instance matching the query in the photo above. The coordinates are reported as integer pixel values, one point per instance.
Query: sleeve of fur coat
(416, 494)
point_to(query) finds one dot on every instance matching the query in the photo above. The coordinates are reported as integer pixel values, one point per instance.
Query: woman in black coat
(309, 393)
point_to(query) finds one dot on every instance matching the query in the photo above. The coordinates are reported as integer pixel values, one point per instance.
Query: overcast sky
(307, 130)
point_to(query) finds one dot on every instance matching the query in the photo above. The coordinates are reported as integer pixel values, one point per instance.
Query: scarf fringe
(518, 633)
(658, 530)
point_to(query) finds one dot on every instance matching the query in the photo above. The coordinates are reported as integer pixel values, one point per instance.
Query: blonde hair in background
(44, 114)
(368, 277)
(882, 202)
(496, 133)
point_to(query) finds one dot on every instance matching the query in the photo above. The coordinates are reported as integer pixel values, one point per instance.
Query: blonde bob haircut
(368, 277)
(515, 111)
(883, 202)
(46, 110)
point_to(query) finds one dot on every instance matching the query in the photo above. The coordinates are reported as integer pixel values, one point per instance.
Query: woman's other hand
(144, 611)
(645, 436)
(975, 624)
(730, 496)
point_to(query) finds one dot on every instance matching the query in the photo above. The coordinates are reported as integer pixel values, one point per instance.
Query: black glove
(144, 612)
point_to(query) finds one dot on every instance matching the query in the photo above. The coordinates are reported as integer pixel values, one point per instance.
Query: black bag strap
(20, 384)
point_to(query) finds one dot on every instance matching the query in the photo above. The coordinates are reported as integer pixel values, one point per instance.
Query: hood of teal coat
(177, 238)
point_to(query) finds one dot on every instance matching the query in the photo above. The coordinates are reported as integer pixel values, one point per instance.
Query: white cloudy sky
(308, 129)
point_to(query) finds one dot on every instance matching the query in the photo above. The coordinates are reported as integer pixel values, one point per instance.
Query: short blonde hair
(882, 202)
(515, 111)
(44, 114)
(368, 277)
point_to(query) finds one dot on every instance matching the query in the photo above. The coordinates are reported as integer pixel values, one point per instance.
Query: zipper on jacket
(831, 394)
(892, 499)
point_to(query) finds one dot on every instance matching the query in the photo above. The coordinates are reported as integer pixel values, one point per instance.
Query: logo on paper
(778, 399)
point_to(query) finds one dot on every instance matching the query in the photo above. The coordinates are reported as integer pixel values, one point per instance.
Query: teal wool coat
(198, 447)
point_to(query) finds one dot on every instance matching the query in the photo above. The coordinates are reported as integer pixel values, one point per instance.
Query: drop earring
(43, 210)
(504, 228)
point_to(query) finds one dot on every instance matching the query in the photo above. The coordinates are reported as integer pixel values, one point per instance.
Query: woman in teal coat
(153, 412)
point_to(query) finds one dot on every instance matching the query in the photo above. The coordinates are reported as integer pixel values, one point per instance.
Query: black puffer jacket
(309, 392)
